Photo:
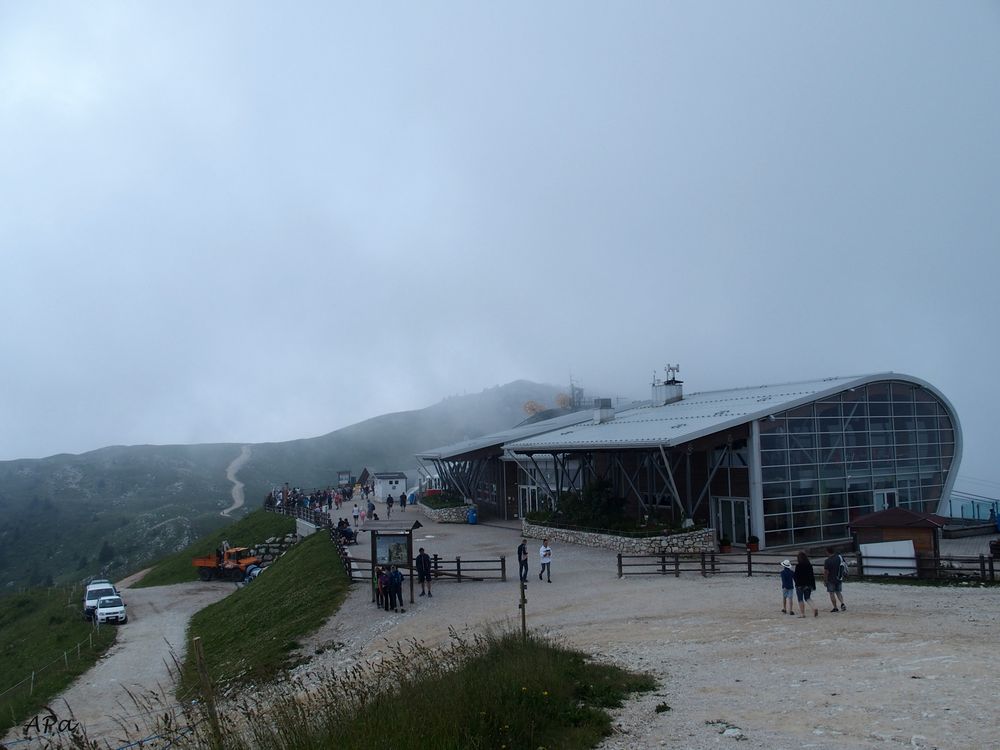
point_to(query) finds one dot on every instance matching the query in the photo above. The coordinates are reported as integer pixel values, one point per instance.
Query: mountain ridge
(115, 508)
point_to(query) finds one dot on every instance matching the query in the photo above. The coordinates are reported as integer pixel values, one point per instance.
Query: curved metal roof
(700, 414)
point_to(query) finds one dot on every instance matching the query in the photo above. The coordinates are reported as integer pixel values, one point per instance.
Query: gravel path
(138, 662)
(903, 667)
(237, 491)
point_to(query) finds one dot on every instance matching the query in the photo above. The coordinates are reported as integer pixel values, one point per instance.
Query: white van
(93, 595)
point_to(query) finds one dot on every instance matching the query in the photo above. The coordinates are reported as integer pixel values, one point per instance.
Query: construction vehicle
(228, 563)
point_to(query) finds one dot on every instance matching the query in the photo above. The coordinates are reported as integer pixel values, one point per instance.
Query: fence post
(503, 567)
(434, 565)
(458, 567)
(31, 689)
(861, 565)
(619, 564)
(992, 578)
(208, 693)
(749, 564)
(677, 565)
(663, 564)
(704, 574)
(982, 568)
(65, 660)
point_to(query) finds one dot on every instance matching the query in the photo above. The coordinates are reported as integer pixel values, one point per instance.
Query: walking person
(805, 583)
(834, 569)
(362, 515)
(522, 560)
(357, 513)
(545, 555)
(388, 506)
(402, 502)
(423, 565)
(787, 588)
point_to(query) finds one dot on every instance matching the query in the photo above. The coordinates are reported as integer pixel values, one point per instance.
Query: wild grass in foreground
(494, 691)
(252, 529)
(40, 632)
(250, 636)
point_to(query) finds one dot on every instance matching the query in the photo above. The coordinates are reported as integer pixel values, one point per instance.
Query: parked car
(105, 582)
(111, 609)
(95, 592)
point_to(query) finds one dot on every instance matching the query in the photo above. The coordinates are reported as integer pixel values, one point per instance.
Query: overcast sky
(249, 221)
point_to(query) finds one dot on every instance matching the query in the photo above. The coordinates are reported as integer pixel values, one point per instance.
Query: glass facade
(827, 462)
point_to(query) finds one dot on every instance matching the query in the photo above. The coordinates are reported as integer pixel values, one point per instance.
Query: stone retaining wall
(702, 540)
(274, 547)
(458, 514)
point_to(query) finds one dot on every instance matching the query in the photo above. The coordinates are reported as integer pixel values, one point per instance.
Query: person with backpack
(834, 572)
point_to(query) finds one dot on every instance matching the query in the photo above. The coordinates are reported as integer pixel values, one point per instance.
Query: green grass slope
(40, 630)
(249, 636)
(250, 530)
(112, 511)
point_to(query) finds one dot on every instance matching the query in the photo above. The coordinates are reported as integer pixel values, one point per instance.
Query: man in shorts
(423, 566)
(833, 575)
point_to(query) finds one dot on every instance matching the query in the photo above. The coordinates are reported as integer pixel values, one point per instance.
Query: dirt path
(138, 662)
(904, 667)
(237, 490)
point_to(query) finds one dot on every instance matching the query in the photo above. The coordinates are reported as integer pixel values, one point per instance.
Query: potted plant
(725, 544)
(753, 543)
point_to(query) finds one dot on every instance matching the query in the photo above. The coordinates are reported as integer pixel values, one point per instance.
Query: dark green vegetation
(250, 636)
(41, 629)
(598, 507)
(249, 530)
(113, 510)
(444, 500)
(494, 692)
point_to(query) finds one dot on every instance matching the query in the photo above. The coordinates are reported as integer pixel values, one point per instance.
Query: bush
(446, 499)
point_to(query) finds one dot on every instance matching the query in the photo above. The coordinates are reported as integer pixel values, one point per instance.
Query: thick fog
(248, 221)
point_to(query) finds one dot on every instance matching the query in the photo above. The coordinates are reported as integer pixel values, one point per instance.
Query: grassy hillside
(252, 529)
(40, 630)
(112, 511)
(250, 635)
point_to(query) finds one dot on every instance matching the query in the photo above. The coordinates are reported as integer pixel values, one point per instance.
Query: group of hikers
(387, 580)
(324, 499)
(368, 512)
(800, 582)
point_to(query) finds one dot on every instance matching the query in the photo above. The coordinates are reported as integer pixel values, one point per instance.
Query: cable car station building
(791, 464)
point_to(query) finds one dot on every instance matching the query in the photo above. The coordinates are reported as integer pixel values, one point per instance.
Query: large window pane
(800, 425)
(902, 392)
(774, 474)
(773, 442)
(878, 392)
(778, 538)
(835, 532)
(828, 409)
(773, 458)
(808, 536)
(776, 490)
(773, 426)
(802, 457)
(802, 441)
(856, 424)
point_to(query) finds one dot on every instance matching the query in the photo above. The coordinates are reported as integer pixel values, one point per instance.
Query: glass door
(732, 518)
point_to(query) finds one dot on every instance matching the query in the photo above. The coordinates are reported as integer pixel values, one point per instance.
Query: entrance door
(528, 499)
(732, 519)
(885, 499)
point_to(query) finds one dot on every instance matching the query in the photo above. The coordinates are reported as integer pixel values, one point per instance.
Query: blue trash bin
(472, 517)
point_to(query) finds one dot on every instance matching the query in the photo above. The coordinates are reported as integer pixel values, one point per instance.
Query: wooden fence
(359, 569)
(976, 567)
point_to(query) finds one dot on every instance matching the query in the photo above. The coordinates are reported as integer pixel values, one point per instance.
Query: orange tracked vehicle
(228, 563)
